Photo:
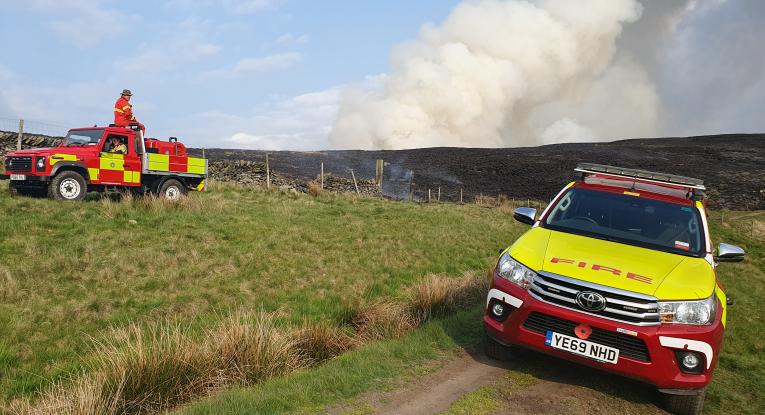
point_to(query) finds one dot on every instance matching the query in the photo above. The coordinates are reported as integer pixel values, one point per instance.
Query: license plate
(582, 347)
(18, 177)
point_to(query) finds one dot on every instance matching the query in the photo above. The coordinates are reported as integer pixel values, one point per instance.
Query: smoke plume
(505, 74)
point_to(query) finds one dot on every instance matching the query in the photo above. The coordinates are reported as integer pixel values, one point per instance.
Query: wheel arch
(63, 166)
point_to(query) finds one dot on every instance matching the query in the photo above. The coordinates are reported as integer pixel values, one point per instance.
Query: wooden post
(439, 194)
(460, 195)
(355, 184)
(379, 167)
(268, 174)
(322, 175)
(428, 195)
(21, 133)
(411, 186)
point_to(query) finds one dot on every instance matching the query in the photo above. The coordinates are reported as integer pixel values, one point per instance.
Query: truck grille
(21, 164)
(625, 306)
(629, 346)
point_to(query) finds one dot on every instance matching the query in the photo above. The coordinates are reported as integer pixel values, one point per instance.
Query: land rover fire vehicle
(84, 162)
(618, 273)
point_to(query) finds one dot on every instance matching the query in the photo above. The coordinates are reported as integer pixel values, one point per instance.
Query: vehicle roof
(667, 194)
(120, 129)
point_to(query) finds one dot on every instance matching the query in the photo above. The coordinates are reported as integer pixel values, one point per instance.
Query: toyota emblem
(591, 301)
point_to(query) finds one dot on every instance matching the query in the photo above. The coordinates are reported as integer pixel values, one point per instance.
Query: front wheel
(68, 186)
(172, 189)
(685, 404)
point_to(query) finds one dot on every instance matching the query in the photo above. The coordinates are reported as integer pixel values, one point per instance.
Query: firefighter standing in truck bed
(123, 111)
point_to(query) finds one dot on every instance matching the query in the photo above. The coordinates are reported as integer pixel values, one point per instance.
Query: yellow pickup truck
(618, 272)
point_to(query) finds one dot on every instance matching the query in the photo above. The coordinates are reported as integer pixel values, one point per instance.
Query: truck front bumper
(647, 353)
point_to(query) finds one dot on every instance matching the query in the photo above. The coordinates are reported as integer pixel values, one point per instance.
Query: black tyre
(685, 404)
(13, 190)
(172, 189)
(497, 350)
(68, 186)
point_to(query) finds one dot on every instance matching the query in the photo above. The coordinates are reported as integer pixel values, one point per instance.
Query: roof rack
(683, 181)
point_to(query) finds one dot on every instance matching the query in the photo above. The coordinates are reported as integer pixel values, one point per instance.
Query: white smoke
(507, 73)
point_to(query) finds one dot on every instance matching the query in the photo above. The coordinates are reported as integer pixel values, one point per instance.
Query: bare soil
(531, 384)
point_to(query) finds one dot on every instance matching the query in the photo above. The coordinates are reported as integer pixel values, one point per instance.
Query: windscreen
(629, 219)
(82, 138)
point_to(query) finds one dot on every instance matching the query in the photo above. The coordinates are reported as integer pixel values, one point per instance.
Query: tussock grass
(113, 206)
(314, 189)
(317, 342)
(381, 319)
(138, 370)
(248, 348)
(438, 296)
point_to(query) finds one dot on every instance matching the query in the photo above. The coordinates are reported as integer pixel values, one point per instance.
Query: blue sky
(192, 61)
(272, 74)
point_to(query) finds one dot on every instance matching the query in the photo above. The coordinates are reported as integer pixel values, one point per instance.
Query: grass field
(71, 273)
(75, 274)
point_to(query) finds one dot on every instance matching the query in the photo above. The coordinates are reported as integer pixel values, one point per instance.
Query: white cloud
(85, 23)
(230, 6)
(289, 38)
(263, 64)
(183, 48)
(268, 63)
(299, 123)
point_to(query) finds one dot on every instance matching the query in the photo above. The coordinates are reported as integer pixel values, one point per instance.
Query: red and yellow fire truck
(105, 158)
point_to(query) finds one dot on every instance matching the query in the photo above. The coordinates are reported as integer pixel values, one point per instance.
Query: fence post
(439, 194)
(322, 175)
(379, 167)
(460, 195)
(411, 186)
(21, 133)
(355, 184)
(428, 195)
(268, 174)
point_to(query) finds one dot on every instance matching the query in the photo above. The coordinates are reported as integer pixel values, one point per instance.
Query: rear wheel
(497, 350)
(685, 404)
(68, 185)
(172, 189)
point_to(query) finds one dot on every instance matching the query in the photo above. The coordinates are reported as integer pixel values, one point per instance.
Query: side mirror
(525, 215)
(729, 253)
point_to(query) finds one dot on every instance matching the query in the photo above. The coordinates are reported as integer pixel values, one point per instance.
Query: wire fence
(33, 127)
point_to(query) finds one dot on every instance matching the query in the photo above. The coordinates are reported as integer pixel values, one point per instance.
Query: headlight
(515, 272)
(696, 313)
(40, 163)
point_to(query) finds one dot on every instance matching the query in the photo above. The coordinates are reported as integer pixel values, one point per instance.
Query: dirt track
(532, 384)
